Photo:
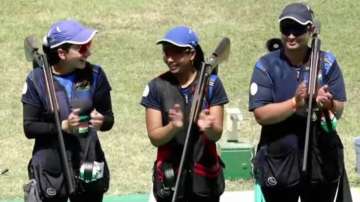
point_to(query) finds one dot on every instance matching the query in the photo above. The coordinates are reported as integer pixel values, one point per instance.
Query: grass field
(125, 47)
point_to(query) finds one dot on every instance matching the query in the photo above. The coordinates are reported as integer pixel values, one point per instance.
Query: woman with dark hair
(167, 100)
(83, 94)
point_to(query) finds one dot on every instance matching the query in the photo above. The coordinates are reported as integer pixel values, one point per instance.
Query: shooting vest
(203, 163)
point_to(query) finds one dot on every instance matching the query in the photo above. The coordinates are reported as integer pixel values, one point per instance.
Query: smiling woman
(278, 94)
(167, 100)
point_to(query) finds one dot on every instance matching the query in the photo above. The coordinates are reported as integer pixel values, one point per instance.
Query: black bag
(45, 168)
(208, 186)
(327, 156)
(99, 186)
(164, 183)
(277, 164)
(164, 179)
(92, 152)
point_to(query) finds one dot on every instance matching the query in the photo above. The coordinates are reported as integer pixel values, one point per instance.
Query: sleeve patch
(146, 91)
(253, 88)
(24, 90)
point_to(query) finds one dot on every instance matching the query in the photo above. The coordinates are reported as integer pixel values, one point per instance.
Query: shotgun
(312, 88)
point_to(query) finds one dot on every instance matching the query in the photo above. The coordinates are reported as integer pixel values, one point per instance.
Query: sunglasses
(294, 28)
(84, 48)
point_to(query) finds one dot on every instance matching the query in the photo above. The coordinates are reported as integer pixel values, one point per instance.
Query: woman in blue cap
(167, 99)
(83, 94)
(278, 96)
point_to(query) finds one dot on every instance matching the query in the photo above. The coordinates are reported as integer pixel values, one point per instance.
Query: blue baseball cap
(180, 36)
(298, 12)
(68, 31)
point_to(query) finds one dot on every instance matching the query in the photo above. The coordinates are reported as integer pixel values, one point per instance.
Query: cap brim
(161, 41)
(83, 37)
(298, 20)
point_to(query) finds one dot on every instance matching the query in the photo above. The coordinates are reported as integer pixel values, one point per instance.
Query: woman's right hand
(176, 116)
(71, 124)
(158, 133)
(300, 95)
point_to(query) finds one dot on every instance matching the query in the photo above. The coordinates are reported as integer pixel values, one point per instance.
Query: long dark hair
(199, 59)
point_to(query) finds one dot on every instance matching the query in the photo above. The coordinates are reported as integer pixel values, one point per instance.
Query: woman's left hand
(96, 119)
(324, 97)
(206, 120)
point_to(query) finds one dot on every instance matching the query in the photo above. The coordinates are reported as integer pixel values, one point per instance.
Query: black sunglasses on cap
(288, 27)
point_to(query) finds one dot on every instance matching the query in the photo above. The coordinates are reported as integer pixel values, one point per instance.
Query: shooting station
(236, 154)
